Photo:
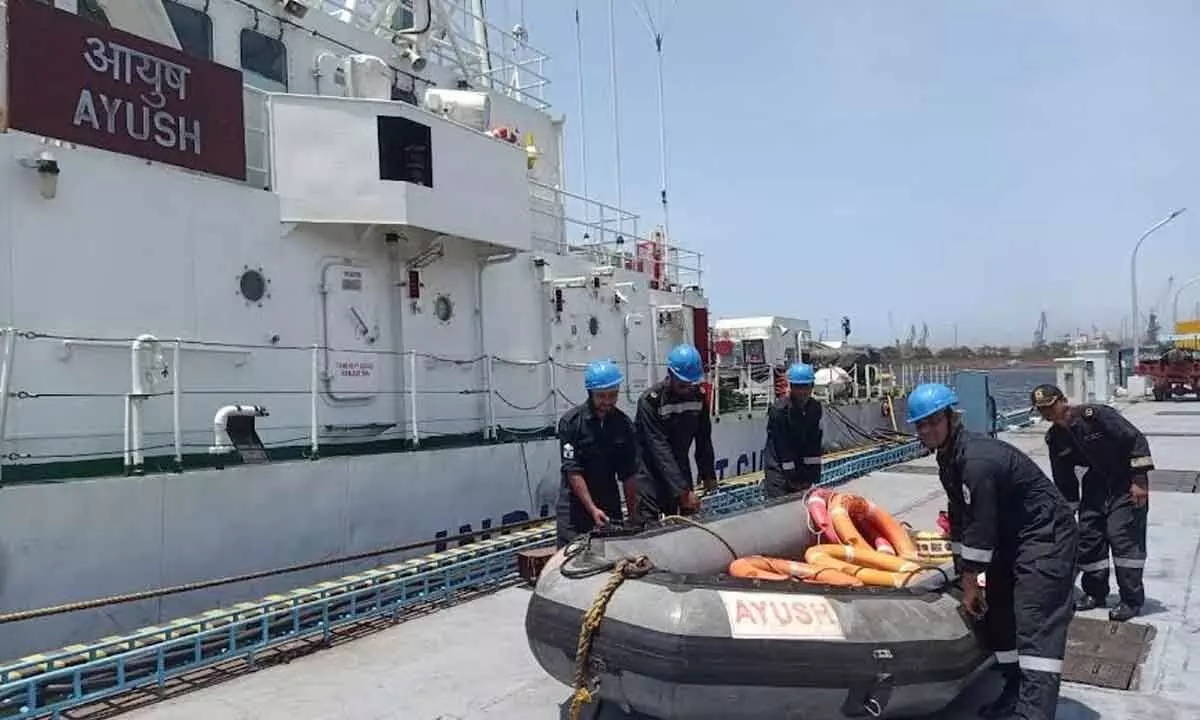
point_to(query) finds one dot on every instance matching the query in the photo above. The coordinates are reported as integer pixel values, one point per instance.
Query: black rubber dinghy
(685, 640)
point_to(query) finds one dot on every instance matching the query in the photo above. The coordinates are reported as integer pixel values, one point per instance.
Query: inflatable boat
(679, 636)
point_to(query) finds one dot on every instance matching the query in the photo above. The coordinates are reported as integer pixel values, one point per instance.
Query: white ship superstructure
(318, 233)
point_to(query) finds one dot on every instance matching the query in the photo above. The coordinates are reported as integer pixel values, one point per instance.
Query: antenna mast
(612, 62)
(656, 34)
(582, 112)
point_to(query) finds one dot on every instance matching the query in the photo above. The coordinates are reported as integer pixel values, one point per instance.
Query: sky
(962, 163)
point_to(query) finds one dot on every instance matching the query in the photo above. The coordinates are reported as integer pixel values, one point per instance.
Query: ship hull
(77, 540)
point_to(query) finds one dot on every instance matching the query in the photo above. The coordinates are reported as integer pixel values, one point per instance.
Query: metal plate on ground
(1180, 481)
(1106, 654)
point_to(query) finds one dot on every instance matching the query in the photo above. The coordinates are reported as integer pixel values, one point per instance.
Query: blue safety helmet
(928, 399)
(684, 363)
(801, 374)
(602, 375)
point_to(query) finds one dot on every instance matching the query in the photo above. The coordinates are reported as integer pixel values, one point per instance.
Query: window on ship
(264, 60)
(91, 10)
(403, 18)
(193, 28)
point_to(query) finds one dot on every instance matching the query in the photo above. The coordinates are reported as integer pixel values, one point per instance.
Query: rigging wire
(656, 34)
(616, 115)
(583, 170)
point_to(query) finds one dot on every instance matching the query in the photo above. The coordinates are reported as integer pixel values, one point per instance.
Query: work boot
(1087, 602)
(1006, 703)
(1123, 611)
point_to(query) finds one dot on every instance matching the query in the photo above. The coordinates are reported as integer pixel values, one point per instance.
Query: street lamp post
(1133, 319)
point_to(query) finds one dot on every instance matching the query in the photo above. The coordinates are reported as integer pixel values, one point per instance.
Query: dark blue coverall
(604, 452)
(1009, 520)
(1098, 438)
(667, 423)
(792, 454)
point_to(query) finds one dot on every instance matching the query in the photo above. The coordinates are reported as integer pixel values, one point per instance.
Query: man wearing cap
(1009, 520)
(792, 454)
(671, 416)
(598, 450)
(1115, 498)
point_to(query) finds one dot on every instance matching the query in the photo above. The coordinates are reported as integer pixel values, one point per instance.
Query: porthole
(594, 326)
(443, 308)
(253, 284)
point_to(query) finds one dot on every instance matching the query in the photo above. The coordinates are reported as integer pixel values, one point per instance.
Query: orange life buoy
(847, 510)
(842, 558)
(878, 541)
(761, 567)
(818, 511)
(868, 557)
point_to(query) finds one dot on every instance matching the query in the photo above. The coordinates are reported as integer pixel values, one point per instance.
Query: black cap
(1045, 395)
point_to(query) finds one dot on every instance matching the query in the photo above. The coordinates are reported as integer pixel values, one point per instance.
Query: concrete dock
(472, 661)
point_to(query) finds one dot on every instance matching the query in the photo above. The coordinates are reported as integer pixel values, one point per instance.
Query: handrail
(610, 235)
(517, 68)
(519, 397)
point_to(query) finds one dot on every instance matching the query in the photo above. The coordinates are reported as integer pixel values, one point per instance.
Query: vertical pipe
(10, 343)
(128, 453)
(490, 410)
(553, 392)
(135, 425)
(412, 397)
(176, 402)
(314, 390)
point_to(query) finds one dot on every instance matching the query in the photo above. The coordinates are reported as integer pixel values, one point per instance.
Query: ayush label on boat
(756, 615)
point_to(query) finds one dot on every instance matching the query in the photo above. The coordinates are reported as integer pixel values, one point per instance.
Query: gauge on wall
(253, 285)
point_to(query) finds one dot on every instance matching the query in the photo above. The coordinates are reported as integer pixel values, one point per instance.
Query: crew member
(1115, 499)
(671, 415)
(792, 455)
(1008, 519)
(599, 452)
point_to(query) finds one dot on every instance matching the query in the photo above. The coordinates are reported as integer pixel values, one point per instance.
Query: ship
(321, 289)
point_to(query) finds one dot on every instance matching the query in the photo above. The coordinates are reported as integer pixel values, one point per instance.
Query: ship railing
(165, 396)
(750, 388)
(515, 68)
(569, 223)
(425, 400)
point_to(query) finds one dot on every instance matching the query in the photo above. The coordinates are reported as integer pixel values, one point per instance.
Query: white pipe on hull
(10, 343)
(396, 308)
(631, 319)
(489, 409)
(176, 402)
(314, 393)
(222, 443)
(137, 395)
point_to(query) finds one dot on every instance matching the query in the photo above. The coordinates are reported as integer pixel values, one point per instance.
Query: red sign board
(73, 79)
